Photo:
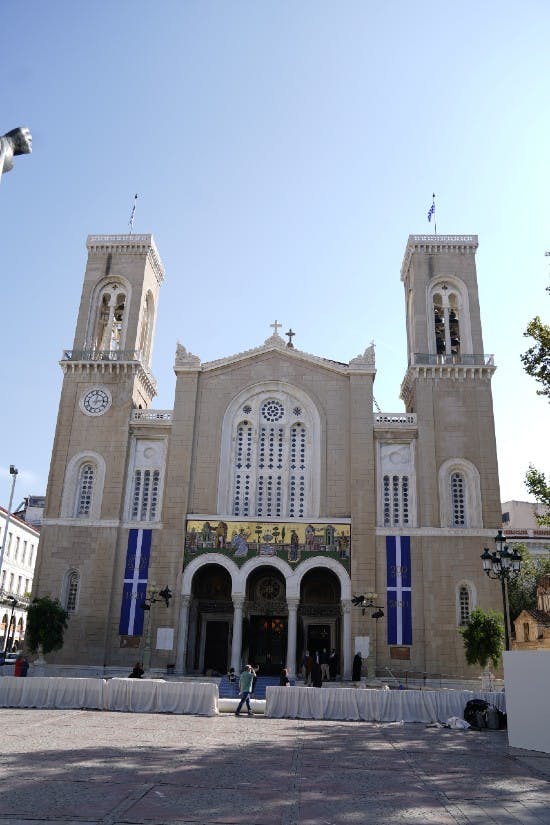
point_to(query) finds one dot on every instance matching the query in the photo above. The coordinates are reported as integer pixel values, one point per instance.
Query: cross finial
(276, 326)
(290, 335)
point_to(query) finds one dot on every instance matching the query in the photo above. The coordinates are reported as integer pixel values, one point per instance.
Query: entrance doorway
(216, 646)
(268, 635)
(318, 637)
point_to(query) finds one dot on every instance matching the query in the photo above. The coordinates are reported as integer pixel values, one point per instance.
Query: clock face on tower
(96, 401)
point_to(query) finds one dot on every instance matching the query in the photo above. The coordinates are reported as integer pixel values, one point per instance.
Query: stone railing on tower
(460, 359)
(151, 417)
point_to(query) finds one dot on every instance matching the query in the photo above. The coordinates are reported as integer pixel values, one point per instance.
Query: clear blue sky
(282, 153)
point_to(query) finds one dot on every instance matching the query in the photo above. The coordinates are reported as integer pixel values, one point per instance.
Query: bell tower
(448, 383)
(106, 377)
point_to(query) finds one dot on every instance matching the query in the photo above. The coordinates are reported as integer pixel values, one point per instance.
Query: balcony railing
(395, 419)
(152, 416)
(101, 355)
(420, 359)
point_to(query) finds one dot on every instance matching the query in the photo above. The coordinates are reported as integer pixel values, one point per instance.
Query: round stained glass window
(272, 410)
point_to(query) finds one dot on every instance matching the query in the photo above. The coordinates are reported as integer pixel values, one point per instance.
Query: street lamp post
(11, 622)
(153, 595)
(367, 602)
(13, 474)
(504, 565)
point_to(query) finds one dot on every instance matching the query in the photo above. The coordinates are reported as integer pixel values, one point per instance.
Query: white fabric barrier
(51, 692)
(134, 695)
(356, 704)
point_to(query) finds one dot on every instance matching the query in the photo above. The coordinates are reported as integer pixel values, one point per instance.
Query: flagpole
(435, 215)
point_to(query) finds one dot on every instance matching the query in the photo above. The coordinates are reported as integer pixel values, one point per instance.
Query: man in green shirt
(245, 686)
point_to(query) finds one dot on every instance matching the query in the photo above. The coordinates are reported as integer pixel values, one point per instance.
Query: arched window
(459, 494)
(395, 474)
(83, 487)
(458, 503)
(145, 474)
(270, 454)
(85, 491)
(71, 591)
(464, 604)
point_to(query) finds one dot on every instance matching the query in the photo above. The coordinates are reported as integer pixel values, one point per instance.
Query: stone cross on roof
(276, 326)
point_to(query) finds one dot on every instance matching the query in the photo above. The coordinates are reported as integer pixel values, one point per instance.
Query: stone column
(181, 644)
(237, 640)
(291, 636)
(346, 639)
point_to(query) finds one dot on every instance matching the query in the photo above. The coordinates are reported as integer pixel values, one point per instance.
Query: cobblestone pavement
(89, 767)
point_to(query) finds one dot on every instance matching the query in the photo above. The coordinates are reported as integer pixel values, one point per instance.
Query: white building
(520, 525)
(16, 577)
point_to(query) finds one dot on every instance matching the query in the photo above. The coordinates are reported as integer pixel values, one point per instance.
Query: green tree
(483, 638)
(522, 589)
(536, 362)
(46, 625)
(539, 487)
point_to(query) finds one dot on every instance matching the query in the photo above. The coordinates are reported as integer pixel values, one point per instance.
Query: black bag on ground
(475, 713)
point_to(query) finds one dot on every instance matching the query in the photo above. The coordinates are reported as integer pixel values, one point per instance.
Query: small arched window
(85, 490)
(464, 605)
(458, 500)
(72, 587)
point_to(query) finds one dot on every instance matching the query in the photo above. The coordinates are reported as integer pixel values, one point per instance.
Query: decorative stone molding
(128, 245)
(460, 372)
(365, 362)
(185, 360)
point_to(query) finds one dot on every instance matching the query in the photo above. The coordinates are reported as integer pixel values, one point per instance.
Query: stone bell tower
(107, 375)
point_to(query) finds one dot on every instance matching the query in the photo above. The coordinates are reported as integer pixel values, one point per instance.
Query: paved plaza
(91, 767)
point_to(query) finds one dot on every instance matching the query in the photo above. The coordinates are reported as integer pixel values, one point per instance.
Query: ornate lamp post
(367, 602)
(504, 565)
(153, 595)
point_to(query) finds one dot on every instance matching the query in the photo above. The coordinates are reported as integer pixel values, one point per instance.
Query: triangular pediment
(275, 345)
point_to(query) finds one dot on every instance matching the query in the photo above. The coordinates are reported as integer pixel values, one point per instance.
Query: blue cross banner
(134, 590)
(399, 606)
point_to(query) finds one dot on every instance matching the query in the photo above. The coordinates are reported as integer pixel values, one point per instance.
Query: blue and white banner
(399, 607)
(135, 582)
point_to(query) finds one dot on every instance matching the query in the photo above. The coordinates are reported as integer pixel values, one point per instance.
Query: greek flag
(134, 589)
(399, 607)
(131, 221)
(431, 212)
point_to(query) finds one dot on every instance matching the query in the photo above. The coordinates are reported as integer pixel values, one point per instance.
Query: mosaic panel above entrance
(242, 540)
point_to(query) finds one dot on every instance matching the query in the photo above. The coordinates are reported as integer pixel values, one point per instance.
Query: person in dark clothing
(137, 672)
(357, 663)
(333, 664)
(284, 681)
(316, 675)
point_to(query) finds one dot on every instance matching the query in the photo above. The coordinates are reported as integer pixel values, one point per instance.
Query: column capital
(185, 599)
(292, 602)
(346, 605)
(238, 601)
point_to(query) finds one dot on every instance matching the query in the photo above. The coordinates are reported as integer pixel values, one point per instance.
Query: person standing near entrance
(245, 686)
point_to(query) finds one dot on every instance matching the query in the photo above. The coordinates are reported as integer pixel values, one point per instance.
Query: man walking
(245, 686)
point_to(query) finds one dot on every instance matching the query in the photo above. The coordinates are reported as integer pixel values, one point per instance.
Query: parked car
(8, 658)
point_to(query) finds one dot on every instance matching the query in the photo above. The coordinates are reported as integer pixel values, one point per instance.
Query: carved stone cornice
(365, 362)
(94, 370)
(128, 245)
(454, 372)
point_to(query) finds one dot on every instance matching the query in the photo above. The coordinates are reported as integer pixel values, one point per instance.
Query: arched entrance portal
(211, 620)
(267, 619)
(319, 613)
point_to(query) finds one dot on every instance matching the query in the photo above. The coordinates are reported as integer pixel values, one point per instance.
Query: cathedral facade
(242, 524)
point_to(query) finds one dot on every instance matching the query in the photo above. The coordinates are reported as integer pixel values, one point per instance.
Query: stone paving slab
(93, 768)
